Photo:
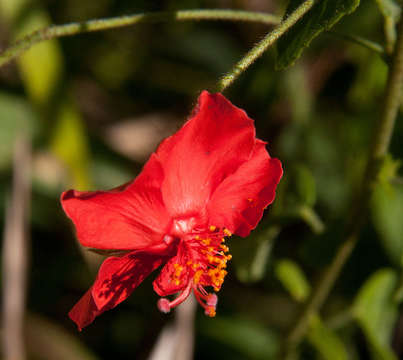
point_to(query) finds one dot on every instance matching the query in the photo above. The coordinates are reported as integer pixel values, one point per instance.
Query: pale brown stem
(15, 254)
(184, 325)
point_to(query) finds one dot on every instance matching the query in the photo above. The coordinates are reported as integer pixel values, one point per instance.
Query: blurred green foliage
(71, 95)
(41, 66)
(376, 311)
(328, 344)
(293, 279)
(17, 116)
(387, 210)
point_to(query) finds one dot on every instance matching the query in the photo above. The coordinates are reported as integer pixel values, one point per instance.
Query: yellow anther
(210, 311)
(227, 232)
(177, 282)
(197, 237)
(224, 247)
(206, 241)
(176, 265)
(212, 228)
(197, 275)
(211, 259)
(189, 262)
(229, 257)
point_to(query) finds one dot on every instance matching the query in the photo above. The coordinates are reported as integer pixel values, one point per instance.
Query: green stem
(57, 31)
(390, 33)
(263, 45)
(369, 44)
(382, 134)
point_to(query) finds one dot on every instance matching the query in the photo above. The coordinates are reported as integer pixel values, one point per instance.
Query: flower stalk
(57, 31)
(382, 134)
(263, 45)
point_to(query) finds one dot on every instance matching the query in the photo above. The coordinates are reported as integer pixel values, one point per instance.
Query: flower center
(203, 266)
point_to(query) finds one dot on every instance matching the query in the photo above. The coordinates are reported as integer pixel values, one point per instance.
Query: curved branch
(264, 44)
(57, 31)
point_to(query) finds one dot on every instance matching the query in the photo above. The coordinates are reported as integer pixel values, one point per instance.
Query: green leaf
(376, 312)
(41, 66)
(11, 9)
(250, 257)
(70, 144)
(247, 337)
(398, 296)
(387, 210)
(293, 279)
(323, 15)
(325, 341)
(16, 116)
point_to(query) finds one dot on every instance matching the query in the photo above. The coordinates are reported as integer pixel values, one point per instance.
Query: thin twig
(382, 134)
(15, 255)
(368, 44)
(264, 44)
(57, 31)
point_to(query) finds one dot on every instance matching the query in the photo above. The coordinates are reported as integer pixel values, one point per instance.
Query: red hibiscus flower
(209, 180)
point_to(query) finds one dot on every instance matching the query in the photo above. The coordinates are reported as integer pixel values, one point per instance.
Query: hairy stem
(57, 31)
(382, 134)
(263, 45)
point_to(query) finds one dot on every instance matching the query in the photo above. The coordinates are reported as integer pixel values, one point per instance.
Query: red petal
(132, 218)
(239, 201)
(116, 280)
(209, 147)
(165, 284)
(85, 311)
(118, 277)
